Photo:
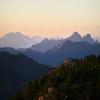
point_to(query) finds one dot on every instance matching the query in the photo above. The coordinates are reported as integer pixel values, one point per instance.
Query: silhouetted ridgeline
(78, 80)
(51, 51)
(16, 71)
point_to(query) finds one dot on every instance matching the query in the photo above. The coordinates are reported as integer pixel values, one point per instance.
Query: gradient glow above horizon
(50, 17)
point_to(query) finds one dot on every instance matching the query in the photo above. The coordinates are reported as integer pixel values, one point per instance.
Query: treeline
(78, 80)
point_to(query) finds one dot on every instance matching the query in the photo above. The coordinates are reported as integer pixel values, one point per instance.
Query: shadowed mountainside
(67, 49)
(16, 71)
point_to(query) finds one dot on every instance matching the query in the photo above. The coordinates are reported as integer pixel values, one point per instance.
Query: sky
(50, 18)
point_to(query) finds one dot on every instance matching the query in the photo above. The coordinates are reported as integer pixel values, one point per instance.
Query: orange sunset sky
(50, 17)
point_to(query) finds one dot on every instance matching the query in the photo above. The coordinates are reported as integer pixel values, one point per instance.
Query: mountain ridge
(18, 40)
(47, 44)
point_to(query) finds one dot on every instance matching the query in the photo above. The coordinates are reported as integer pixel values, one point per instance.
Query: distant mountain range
(16, 71)
(52, 52)
(69, 50)
(18, 40)
(47, 44)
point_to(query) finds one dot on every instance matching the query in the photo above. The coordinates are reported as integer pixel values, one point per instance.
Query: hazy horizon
(50, 18)
(52, 37)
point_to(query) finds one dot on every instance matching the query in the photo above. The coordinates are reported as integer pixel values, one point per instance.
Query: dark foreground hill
(16, 71)
(79, 80)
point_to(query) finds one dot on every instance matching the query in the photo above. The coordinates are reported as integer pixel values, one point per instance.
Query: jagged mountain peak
(88, 35)
(75, 37)
(76, 34)
(88, 38)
